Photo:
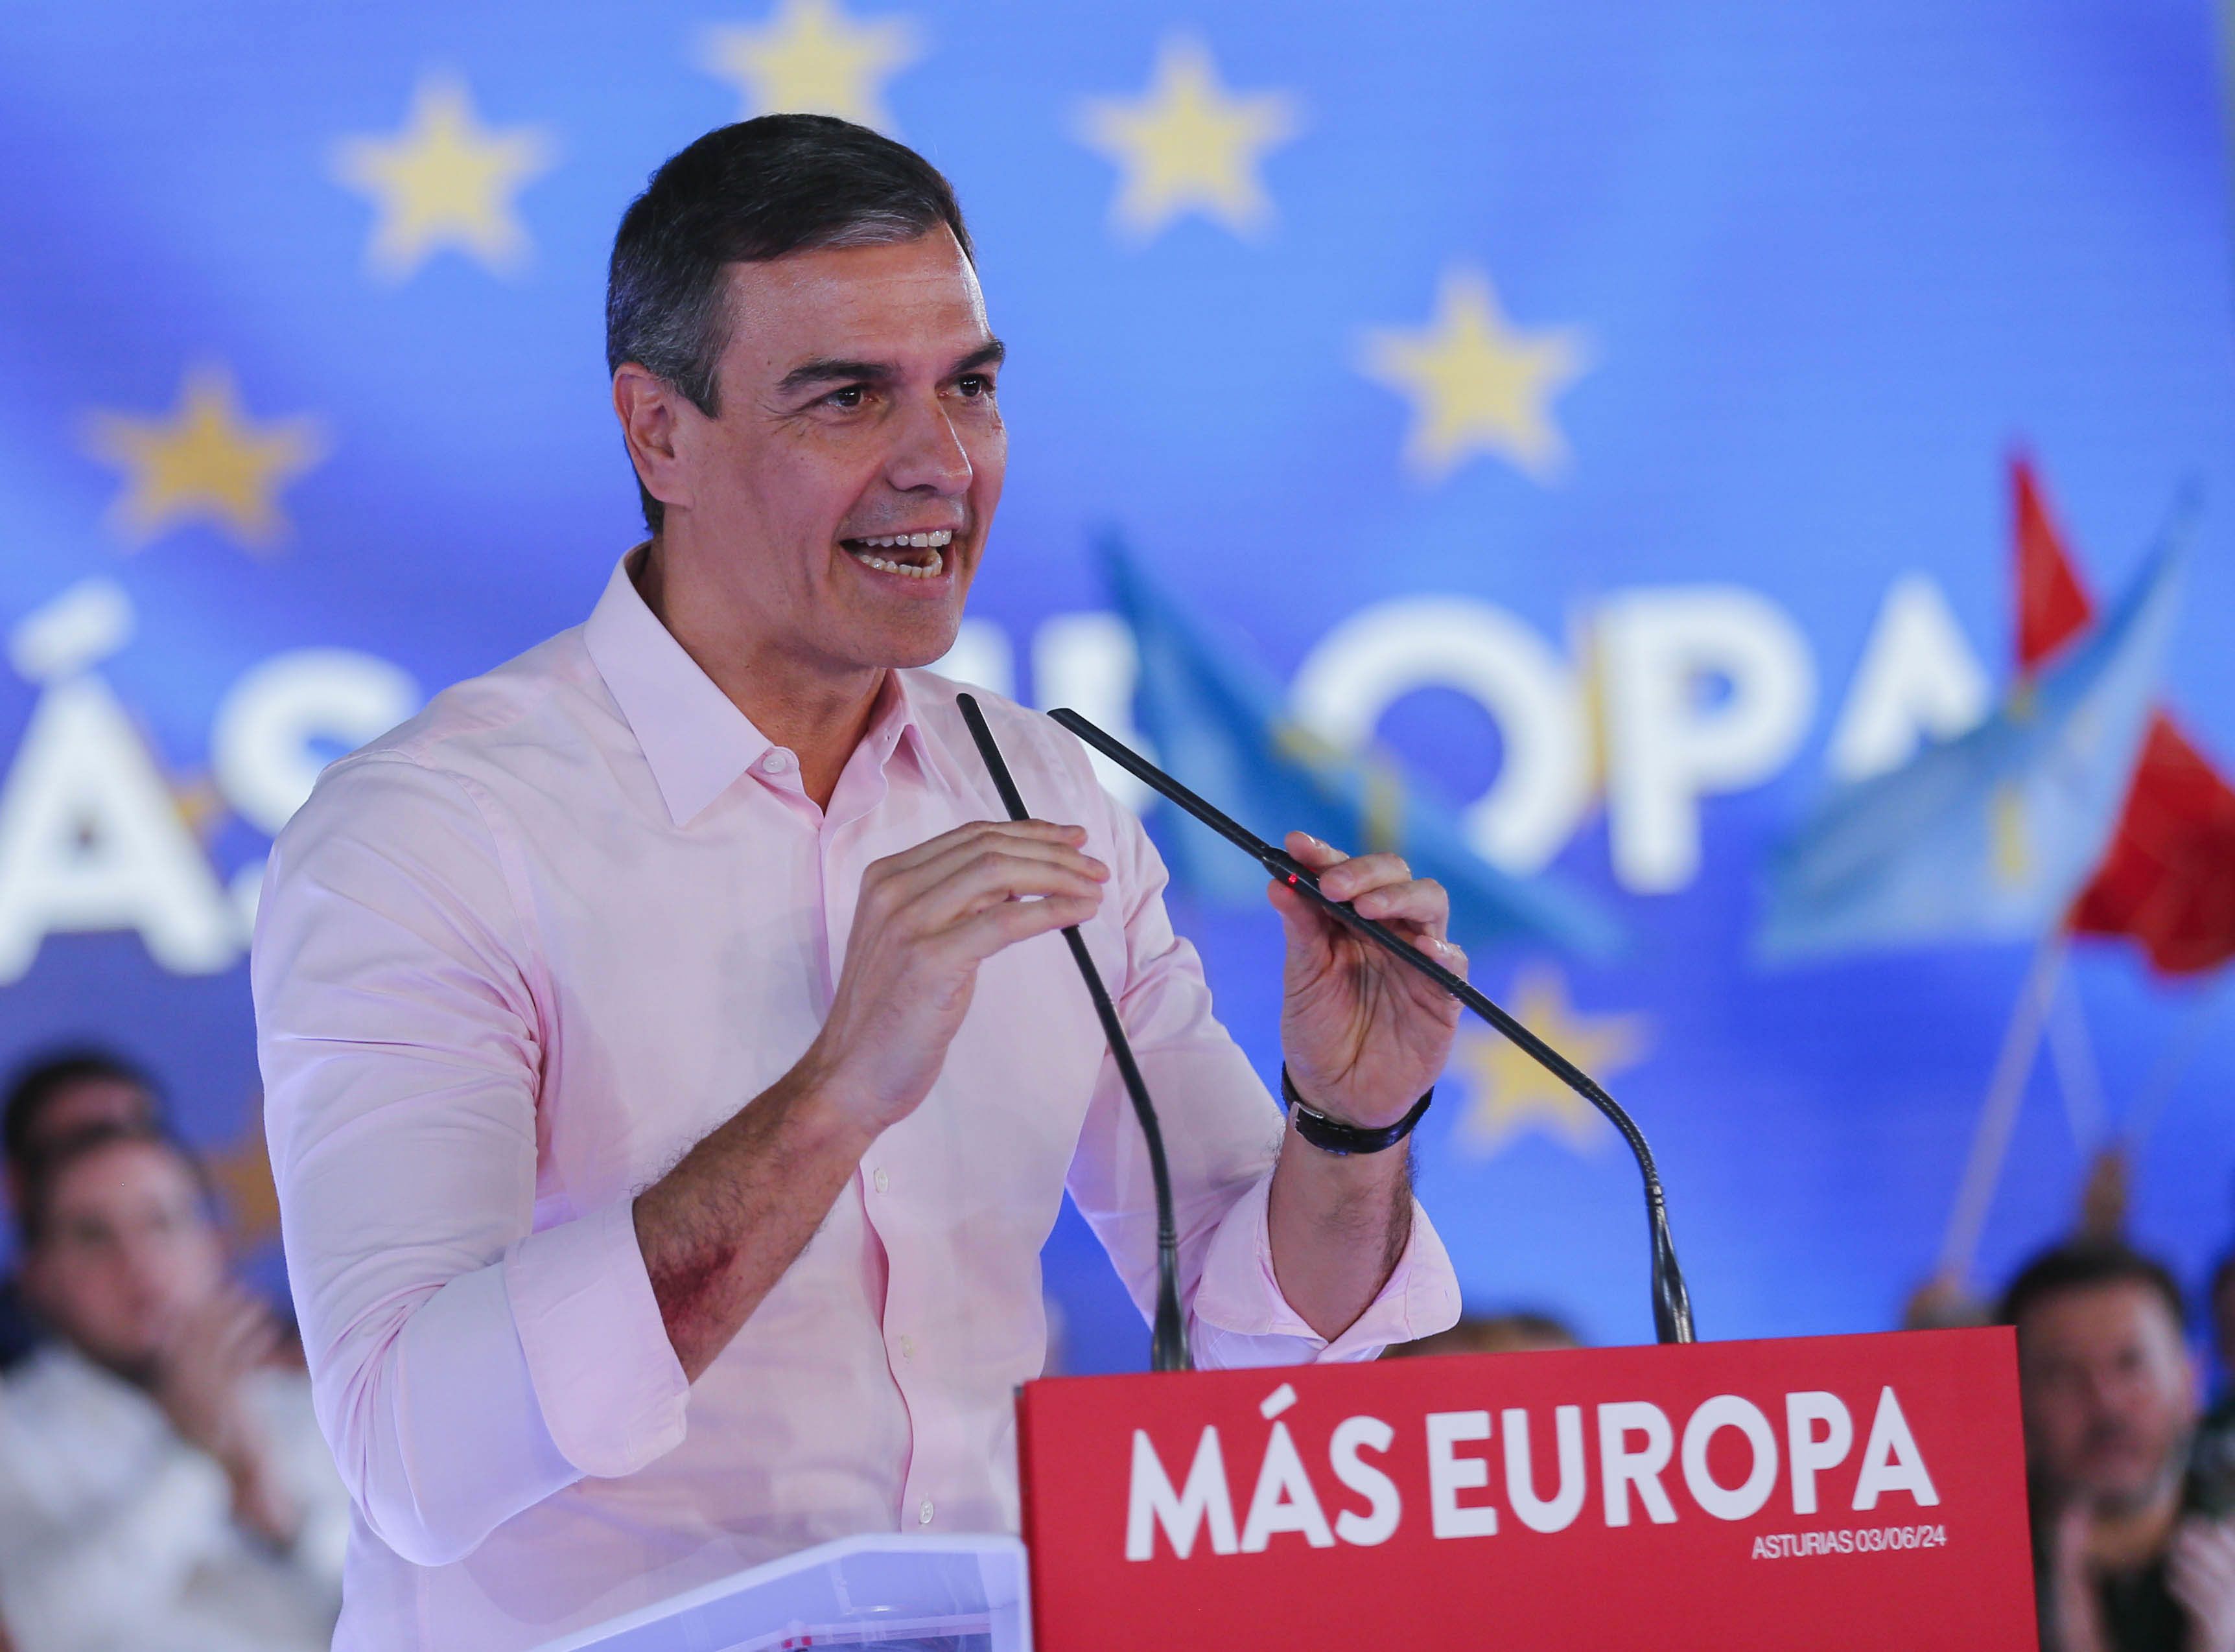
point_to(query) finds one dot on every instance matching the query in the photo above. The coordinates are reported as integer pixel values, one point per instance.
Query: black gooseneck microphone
(1167, 1349)
(1672, 1302)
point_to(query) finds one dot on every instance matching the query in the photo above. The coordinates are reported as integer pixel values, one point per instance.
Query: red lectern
(1856, 1491)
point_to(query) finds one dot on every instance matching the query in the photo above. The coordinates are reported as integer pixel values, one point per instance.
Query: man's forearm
(720, 1229)
(1338, 1226)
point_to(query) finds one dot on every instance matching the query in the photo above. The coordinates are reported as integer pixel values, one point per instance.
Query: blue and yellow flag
(1218, 724)
(1987, 836)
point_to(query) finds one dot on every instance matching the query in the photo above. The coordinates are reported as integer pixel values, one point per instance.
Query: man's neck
(2123, 1537)
(818, 715)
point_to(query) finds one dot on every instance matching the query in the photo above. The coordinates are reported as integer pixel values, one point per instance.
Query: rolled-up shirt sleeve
(1222, 1133)
(466, 1365)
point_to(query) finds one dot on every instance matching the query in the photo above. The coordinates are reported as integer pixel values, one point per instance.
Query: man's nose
(2110, 1398)
(147, 1267)
(929, 456)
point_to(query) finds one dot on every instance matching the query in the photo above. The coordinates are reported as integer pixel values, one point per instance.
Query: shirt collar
(694, 737)
(898, 720)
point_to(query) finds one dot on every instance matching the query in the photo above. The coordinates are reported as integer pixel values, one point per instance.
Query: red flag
(2053, 606)
(2167, 881)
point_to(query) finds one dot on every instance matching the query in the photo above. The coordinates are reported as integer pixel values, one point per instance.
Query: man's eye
(850, 397)
(975, 385)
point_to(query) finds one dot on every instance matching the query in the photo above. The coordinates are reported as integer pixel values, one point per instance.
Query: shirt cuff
(612, 1391)
(1240, 1318)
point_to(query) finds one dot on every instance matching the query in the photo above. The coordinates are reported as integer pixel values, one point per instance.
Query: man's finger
(1349, 879)
(2209, 1542)
(1062, 851)
(1305, 925)
(990, 876)
(240, 1331)
(978, 831)
(909, 883)
(978, 937)
(1422, 901)
(1446, 952)
(1312, 852)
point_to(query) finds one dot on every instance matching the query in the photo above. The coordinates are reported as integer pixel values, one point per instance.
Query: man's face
(2110, 1398)
(856, 404)
(127, 1249)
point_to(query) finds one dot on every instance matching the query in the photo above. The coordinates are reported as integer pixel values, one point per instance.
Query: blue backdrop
(1610, 407)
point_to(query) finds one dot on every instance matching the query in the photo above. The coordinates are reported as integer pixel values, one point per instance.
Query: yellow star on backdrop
(241, 1172)
(812, 59)
(205, 460)
(1478, 385)
(200, 804)
(445, 180)
(1186, 146)
(1511, 1093)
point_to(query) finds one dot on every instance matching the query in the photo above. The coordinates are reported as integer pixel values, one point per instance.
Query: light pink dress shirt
(516, 956)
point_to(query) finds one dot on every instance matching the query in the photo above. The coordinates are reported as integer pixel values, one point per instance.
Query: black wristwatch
(1331, 1136)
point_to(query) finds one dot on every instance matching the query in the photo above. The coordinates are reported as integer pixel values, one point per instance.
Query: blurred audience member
(162, 1482)
(1946, 1302)
(2213, 1461)
(55, 1099)
(2130, 1552)
(1519, 1333)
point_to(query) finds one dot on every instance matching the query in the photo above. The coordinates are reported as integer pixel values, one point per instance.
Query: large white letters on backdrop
(92, 834)
(1680, 694)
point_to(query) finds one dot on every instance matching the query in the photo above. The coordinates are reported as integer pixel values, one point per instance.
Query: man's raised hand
(2200, 1574)
(1363, 1032)
(927, 917)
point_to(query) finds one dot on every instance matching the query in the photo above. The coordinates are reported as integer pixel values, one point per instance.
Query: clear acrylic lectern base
(892, 1593)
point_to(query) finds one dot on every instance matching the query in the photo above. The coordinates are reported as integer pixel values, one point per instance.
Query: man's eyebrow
(827, 368)
(992, 353)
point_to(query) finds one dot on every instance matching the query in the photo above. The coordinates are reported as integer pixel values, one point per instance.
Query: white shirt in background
(118, 1535)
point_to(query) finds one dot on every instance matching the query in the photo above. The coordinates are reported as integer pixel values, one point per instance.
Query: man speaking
(671, 1073)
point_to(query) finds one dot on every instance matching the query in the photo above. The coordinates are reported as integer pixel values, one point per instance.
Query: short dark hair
(745, 194)
(2087, 1264)
(2222, 1277)
(49, 1165)
(37, 1085)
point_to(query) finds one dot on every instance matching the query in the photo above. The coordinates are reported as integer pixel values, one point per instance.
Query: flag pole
(1998, 1117)
(2079, 1078)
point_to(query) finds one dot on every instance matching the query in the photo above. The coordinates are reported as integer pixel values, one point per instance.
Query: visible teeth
(932, 541)
(885, 565)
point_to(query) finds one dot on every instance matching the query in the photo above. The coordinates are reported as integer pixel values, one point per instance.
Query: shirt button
(923, 1513)
(777, 762)
(881, 1179)
(908, 1347)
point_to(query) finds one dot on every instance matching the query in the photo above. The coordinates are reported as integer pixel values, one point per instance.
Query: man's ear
(651, 412)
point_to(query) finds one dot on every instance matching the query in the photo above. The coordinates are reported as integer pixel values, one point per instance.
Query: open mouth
(911, 556)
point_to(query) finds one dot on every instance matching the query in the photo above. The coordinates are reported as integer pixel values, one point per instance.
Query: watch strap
(1332, 1136)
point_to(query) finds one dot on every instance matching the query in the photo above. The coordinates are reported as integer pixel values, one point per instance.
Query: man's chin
(2127, 1491)
(926, 642)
